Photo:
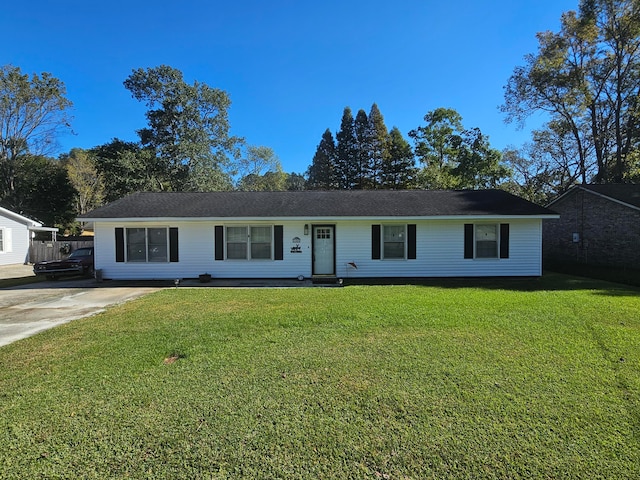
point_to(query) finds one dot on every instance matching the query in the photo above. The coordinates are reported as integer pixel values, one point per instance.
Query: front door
(324, 261)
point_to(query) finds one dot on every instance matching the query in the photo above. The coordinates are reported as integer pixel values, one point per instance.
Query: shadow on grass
(550, 281)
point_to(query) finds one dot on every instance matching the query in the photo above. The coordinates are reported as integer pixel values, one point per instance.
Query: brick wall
(609, 233)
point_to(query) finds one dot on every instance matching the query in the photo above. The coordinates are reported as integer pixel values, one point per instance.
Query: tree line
(585, 79)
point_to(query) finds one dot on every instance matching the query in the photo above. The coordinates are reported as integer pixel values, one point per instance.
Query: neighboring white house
(318, 234)
(16, 232)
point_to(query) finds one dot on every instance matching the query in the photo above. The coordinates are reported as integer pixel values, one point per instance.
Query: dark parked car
(80, 262)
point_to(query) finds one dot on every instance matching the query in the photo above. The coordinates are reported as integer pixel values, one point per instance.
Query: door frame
(313, 249)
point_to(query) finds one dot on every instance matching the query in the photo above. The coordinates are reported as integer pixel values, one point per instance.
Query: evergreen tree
(346, 152)
(377, 148)
(362, 170)
(398, 170)
(321, 174)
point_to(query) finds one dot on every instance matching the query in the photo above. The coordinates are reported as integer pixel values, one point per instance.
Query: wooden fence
(45, 251)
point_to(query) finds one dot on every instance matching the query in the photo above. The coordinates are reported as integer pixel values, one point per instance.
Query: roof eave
(315, 219)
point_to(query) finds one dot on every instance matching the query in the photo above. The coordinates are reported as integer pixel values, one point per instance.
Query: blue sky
(290, 67)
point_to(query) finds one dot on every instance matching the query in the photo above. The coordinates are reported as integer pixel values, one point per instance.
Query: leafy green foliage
(126, 167)
(455, 157)
(42, 191)
(188, 127)
(461, 379)
(260, 170)
(586, 78)
(83, 175)
(33, 111)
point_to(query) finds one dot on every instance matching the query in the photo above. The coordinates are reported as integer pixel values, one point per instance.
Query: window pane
(260, 251)
(486, 241)
(157, 238)
(394, 239)
(236, 234)
(486, 232)
(136, 245)
(261, 234)
(237, 251)
(393, 250)
(323, 233)
(1, 240)
(237, 243)
(261, 242)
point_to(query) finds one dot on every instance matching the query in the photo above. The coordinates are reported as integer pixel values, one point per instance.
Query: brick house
(598, 225)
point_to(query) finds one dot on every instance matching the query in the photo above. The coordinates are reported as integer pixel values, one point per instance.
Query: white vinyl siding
(15, 241)
(439, 248)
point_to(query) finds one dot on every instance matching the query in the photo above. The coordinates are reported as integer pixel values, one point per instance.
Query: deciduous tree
(126, 167)
(43, 191)
(34, 110)
(188, 127)
(586, 77)
(455, 157)
(83, 175)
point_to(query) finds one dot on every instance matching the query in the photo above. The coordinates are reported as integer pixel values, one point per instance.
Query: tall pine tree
(346, 152)
(322, 172)
(361, 127)
(398, 169)
(377, 148)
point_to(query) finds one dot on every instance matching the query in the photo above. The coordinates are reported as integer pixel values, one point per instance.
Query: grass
(466, 379)
(627, 276)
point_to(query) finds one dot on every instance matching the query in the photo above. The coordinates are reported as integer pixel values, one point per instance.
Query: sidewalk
(17, 270)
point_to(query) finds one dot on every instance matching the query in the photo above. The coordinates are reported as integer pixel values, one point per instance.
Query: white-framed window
(394, 241)
(2, 240)
(486, 240)
(249, 242)
(147, 244)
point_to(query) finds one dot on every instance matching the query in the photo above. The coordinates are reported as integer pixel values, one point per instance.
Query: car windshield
(81, 252)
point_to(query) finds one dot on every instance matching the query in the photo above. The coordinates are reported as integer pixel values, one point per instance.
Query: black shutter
(119, 244)
(504, 240)
(375, 242)
(278, 246)
(411, 238)
(173, 244)
(468, 240)
(219, 242)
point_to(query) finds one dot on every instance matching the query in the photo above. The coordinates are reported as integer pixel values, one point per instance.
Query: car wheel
(90, 272)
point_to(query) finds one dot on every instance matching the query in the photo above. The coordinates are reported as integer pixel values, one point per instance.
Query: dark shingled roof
(309, 204)
(623, 192)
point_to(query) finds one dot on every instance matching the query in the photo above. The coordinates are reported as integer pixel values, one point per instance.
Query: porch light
(306, 229)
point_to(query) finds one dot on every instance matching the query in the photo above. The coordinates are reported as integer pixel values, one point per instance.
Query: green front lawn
(466, 379)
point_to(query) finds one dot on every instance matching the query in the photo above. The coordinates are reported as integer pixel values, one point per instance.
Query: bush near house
(466, 379)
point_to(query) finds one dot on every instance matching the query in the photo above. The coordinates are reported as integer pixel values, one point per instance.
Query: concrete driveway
(29, 309)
